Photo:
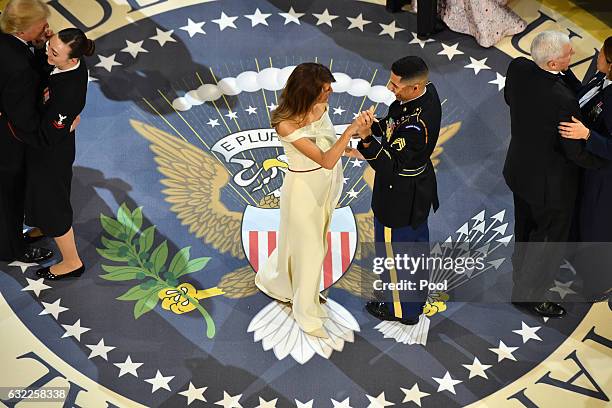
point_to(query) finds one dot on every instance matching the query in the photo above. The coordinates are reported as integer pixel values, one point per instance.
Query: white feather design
(276, 328)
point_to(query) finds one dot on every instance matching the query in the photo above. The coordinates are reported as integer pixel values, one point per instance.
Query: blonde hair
(20, 15)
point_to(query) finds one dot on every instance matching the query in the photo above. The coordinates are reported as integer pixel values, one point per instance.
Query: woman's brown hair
(607, 50)
(303, 87)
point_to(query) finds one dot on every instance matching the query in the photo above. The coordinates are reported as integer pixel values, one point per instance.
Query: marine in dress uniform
(405, 188)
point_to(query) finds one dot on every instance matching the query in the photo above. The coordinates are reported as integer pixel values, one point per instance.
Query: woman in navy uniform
(22, 22)
(405, 188)
(49, 169)
(595, 211)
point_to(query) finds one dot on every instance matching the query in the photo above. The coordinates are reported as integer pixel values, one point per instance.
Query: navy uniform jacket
(405, 186)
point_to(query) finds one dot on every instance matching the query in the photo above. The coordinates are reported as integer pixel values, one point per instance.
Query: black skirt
(48, 186)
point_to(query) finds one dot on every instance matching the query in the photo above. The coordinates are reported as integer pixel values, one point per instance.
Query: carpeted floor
(177, 170)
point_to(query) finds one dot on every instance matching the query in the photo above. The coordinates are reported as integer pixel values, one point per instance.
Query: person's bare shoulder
(286, 127)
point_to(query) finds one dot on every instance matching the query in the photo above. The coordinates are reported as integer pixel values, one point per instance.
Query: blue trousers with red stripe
(407, 304)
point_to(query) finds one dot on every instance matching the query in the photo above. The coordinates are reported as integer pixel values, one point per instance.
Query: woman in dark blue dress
(595, 208)
(49, 169)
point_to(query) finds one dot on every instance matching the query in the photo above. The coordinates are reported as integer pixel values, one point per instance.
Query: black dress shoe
(380, 311)
(33, 235)
(549, 309)
(46, 273)
(35, 255)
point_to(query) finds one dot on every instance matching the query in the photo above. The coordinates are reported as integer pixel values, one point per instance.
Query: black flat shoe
(33, 235)
(46, 273)
(35, 255)
(549, 309)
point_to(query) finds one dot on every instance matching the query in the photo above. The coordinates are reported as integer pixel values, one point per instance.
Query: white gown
(308, 198)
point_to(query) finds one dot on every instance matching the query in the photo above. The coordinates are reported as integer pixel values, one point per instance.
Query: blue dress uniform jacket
(49, 169)
(405, 187)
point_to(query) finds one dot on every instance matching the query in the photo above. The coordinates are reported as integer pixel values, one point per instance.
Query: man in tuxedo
(21, 22)
(541, 168)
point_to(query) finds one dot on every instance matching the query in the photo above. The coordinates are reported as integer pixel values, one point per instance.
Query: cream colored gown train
(308, 198)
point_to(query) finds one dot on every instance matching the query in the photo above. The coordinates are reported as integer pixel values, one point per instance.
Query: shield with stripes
(260, 238)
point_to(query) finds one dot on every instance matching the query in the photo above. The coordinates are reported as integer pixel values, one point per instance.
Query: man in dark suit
(541, 168)
(19, 119)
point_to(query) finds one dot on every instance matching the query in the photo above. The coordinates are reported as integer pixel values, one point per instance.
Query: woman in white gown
(310, 192)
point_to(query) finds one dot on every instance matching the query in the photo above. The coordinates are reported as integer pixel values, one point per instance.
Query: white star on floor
(389, 29)
(22, 265)
(450, 51)
(563, 289)
(528, 333)
(358, 22)
(258, 18)
(300, 404)
(477, 368)
(162, 37)
(194, 28)
(75, 330)
(213, 122)
(477, 65)
(128, 367)
(500, 81)
(224, 21)
(99, 350)
(339, 110)
(267, 404)
(545, 319)
(159, 381)
(447, 383)
(54, 309)
(379, 402)
(232, 115)
(357, 163)
(292, 16)
(352, 193)
(325, 18)
(251, 110)
(414, 394)
(417, 40)
(194, 394)
(36, 286)
(504, 352)
(108, 62)
(343, 404)
(133, 48)
(355, 115)
(272, 106)
(229, 401)
(344, 180)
